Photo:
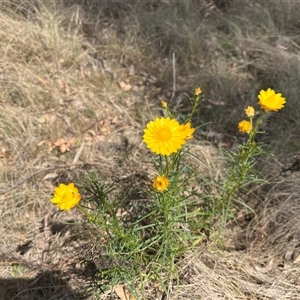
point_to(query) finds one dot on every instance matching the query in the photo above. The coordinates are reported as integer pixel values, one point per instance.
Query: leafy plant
(145, 240)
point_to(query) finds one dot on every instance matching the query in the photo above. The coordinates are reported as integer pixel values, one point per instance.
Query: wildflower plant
(241, 171)
(174, 201)
(146, 241)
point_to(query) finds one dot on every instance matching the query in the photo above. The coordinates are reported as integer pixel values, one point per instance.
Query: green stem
(84, 211)
(241, 167)
(195, 105)
(255, 129)
(167, 166)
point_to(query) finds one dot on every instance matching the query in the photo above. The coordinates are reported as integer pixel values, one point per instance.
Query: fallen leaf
(59, 142)
(5, 155)
(65, 145)
(105, 126)
(125, 86)
(44, 119)
(71, 142)
(63, 148)
(114, 120)
(122, 294)
(41, 143)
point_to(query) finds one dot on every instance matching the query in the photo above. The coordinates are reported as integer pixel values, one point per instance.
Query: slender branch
(174, 76)
(77, 164)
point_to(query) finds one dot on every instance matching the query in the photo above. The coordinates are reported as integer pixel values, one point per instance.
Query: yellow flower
(268, 100)
(164, 104)
(188, 130)
(66, 196)
(161, 183)
(164, 136)
(198, 91)
(245, 126)
(250, 112)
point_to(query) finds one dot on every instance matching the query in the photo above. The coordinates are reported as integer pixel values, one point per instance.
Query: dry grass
(64, 70)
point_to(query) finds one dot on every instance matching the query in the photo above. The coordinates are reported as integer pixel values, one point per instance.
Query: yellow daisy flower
(188, 130)
(198, 91)
(164, 104)
(161, 183)
(164, 136)
(245, 126)
(66, 196)
(250, 112)
(269, 100)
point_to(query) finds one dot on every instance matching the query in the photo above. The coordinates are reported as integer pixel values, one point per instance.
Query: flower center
(164, 134)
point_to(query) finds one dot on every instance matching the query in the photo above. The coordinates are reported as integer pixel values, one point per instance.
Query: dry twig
(77, 164)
